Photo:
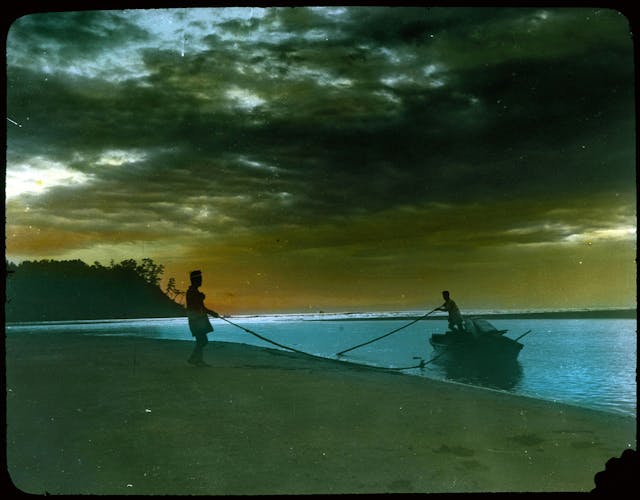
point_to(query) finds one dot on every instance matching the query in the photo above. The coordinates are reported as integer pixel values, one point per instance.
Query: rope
(420, 365)
(435, 357)
(386, 334)
(266, 339)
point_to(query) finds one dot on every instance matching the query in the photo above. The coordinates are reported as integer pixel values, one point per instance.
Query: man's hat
(195, 274)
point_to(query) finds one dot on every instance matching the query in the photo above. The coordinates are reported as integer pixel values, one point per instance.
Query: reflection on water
(504, 376)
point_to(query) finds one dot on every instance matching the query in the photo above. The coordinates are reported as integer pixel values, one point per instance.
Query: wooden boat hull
(481, 355)
(465, 347)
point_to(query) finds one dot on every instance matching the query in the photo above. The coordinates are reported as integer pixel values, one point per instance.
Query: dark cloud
(60, 38)
(275, 120)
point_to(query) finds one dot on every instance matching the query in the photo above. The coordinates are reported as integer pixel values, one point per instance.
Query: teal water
(589, 363)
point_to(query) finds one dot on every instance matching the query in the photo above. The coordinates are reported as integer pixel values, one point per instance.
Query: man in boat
(455, 318)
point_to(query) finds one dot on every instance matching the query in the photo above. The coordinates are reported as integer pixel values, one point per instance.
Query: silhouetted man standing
(198, 318)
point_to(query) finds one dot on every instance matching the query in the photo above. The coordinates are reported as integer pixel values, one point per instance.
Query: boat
(481, 342)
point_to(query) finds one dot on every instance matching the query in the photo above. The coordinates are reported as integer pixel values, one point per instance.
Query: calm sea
(584, 362)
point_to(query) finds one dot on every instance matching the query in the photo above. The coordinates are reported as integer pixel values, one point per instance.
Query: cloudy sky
(332, 158)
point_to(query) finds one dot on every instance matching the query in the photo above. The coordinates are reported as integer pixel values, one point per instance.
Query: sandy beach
(122, 415)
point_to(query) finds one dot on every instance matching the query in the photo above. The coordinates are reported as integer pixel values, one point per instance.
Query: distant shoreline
(604, 314)
(589, 314)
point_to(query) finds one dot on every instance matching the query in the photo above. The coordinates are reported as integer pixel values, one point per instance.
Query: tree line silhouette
(49, 290)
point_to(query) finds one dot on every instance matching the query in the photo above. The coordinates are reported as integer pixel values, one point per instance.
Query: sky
(332, 158)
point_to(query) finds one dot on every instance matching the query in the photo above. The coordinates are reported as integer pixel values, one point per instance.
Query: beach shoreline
(377, 316)
(124, 415)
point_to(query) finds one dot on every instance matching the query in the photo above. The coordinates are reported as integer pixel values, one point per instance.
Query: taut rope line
(386, 334)
(267, 340)
(420, 365)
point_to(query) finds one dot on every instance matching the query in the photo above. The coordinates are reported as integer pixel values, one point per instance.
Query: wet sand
(121, 415)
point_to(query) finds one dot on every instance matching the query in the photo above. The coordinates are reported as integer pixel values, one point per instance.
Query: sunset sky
(332, 158)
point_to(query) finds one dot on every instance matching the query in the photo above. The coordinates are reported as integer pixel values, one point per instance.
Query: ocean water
(589, 363)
